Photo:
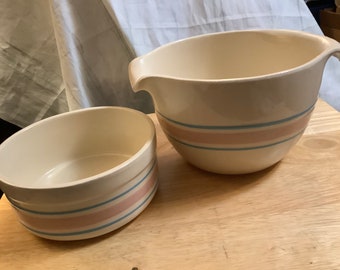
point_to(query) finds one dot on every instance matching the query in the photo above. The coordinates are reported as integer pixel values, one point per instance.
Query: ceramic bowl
(235, 102)
(80, 174)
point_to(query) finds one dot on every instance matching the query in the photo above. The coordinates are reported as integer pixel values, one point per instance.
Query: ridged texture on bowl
(96, 219)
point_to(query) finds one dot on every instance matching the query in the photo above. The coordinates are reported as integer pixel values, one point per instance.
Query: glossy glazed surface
(235, 102)
(82, 173)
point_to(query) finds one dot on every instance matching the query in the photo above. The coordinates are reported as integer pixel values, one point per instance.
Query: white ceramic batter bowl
(235, 102)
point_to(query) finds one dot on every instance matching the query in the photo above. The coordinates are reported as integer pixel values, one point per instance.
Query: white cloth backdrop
(67, 54)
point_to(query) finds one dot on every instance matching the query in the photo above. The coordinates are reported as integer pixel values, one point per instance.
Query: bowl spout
(135, 73)
(138, 74)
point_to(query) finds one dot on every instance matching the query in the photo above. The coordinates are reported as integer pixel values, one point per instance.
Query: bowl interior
(72, 146)
(230, 55)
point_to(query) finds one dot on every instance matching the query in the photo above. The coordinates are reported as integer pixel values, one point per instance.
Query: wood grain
(285, 217)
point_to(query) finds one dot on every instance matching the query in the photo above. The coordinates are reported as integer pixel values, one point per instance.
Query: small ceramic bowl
(80, 174)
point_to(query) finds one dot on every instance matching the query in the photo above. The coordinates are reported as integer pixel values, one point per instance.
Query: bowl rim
(325, 54)
(83, 181)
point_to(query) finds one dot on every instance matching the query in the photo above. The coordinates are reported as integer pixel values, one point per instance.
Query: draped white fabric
(68, 54)
(30, 78)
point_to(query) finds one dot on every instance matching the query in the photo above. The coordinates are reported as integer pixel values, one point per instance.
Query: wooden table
(286, 217)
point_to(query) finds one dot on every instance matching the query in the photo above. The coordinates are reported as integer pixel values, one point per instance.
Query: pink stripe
(53, 224)
(227, 137)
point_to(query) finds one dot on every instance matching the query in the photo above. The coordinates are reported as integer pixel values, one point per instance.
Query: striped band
(96, 219)
(236, 138)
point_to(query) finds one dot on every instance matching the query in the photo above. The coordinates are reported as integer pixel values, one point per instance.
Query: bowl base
(80, 168)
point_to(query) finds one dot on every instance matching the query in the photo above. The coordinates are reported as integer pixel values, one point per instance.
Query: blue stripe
(257, 125)
(236, 148)
(99, 227)
(89, 207)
